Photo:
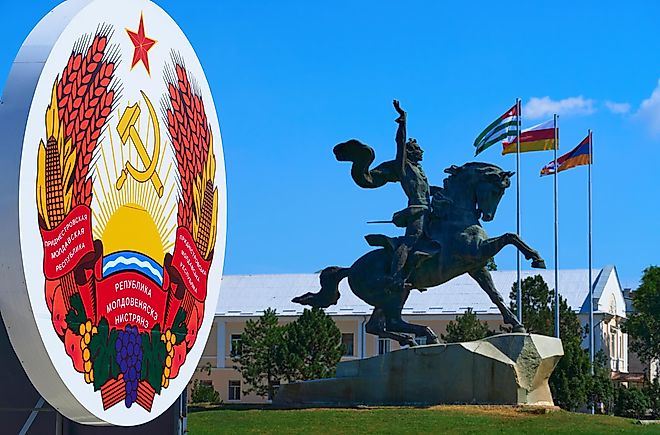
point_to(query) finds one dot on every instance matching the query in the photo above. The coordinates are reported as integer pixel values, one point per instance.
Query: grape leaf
(103, 354)
(154, 353)
(179, 327)
(76, 315)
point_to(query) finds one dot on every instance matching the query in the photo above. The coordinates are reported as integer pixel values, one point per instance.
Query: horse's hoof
(520, 329)
(538, 264)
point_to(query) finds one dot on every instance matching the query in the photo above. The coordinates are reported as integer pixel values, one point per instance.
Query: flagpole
(556, 233)
(591, 288)
(519, 289)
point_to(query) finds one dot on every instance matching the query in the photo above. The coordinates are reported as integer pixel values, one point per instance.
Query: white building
(244, 297)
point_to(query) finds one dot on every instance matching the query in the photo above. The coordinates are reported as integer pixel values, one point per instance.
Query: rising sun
(131, 228)
(134, 217)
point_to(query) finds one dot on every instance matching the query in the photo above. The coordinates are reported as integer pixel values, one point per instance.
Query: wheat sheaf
(81, 101)
(55, 167)
(192, 140)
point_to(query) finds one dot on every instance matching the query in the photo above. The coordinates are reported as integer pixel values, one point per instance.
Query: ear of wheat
(205, 207)
(85, 96)
(192, 141)
(55, 165)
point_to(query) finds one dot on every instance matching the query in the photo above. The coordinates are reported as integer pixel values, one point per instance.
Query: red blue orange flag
(580, 155)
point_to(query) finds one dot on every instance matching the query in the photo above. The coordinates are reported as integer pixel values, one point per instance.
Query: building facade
(244, 297)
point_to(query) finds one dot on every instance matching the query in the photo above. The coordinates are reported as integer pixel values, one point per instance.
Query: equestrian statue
(443, 237)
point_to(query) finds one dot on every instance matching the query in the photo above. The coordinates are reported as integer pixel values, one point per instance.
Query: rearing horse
(457, 243)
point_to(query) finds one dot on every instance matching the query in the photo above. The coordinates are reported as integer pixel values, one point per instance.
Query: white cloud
(545, 106)
(649, 111)
(618, 108)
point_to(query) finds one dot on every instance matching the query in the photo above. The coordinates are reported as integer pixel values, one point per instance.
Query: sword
(380, 222)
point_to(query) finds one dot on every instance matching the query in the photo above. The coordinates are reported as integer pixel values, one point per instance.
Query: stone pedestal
(507, 369)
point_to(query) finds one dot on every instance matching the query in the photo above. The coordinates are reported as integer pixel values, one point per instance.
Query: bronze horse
(454, 243)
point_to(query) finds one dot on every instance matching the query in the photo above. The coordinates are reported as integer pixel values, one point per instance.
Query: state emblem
(121, 205)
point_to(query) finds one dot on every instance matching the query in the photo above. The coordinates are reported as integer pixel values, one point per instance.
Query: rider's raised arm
(400, 138)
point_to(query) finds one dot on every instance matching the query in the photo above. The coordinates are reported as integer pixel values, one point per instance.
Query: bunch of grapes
(170, 340)
(129, 358)
(86, 331)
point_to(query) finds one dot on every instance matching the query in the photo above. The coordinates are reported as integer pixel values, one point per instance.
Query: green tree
(466, 328)
(537, 309)
(643, 326)
(602, 387)
(261, 361)
(571, 380)
(314, 346)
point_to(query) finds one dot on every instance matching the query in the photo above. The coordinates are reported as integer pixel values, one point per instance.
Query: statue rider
(416, 187)
(404, 169)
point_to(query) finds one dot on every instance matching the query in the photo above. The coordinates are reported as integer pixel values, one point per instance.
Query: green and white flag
(504, 128)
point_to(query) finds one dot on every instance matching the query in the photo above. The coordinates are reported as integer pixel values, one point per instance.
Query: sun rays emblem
(127, 205)
(135, 210)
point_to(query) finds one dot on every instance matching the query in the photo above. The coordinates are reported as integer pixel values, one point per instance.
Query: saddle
(423, 250)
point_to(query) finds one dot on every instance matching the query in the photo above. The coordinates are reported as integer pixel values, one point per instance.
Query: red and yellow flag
(540, 137)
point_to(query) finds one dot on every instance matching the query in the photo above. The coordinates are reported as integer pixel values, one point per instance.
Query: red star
(142, 45)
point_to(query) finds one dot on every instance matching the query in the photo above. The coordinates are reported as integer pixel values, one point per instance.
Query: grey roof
(250, 295)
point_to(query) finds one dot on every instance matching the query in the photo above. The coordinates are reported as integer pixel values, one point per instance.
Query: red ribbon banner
(187, 260)
(67, 243)
(130, 298)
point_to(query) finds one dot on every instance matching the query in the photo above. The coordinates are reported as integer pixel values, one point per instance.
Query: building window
(383, 346)
(235, 345)
(347, 342)
(234, 390)
(421, 340)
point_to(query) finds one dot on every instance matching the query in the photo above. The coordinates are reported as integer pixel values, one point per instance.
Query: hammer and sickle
(126, 130)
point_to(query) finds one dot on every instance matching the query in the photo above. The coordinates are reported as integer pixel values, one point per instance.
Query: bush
(630, 402)
(204, 393)
(653, 393)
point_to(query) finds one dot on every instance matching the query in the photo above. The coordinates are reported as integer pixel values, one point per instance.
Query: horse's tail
(362, 156)
(329, 293)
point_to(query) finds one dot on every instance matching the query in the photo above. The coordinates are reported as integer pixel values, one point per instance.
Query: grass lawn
(440, 420)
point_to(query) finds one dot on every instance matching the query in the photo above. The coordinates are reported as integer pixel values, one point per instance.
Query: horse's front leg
(490, 247)
(485, 281)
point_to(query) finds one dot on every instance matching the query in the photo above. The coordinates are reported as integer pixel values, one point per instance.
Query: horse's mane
(457, 176)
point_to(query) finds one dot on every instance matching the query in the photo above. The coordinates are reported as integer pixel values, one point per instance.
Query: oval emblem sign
(113, 221)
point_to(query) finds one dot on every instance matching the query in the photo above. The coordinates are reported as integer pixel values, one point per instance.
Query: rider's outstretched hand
(400, 111)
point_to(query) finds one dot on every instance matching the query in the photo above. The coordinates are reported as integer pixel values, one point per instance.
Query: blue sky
(292, 79)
